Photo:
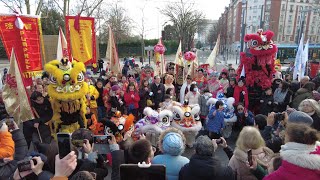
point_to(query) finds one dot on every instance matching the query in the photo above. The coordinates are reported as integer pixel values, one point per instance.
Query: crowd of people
(280, 128)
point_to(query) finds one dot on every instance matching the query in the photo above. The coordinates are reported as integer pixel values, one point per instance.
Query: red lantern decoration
(159, 48)
(189, 56)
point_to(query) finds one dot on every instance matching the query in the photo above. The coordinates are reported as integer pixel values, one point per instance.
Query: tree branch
(58, 5)
(7, 5)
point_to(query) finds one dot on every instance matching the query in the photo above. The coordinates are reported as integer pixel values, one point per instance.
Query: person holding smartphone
(9, 165)
(249, 143)
(203, 164)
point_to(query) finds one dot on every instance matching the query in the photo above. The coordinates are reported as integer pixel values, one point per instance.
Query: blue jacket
(173, 164)
(215, 123)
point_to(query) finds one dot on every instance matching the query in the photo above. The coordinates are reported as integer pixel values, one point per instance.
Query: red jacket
(129, 100)
(236, 95)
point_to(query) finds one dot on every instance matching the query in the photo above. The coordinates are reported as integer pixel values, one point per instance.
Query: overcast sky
(154, 20)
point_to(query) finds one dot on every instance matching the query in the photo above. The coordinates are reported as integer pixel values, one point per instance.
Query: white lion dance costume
(229, 114)
(153, 124)
(67, 91)
(187, 119)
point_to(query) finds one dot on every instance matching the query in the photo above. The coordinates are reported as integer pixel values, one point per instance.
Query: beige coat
(238, 163)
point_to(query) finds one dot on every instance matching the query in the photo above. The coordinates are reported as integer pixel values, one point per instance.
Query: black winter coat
(205, 168)
(316, 121)
(266, 106)
(158, 97)
(230, 92)
(144, 96)
(21, 150)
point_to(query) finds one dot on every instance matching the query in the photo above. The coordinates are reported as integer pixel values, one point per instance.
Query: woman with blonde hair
(172, 144)
(312, 108)
(249, 139)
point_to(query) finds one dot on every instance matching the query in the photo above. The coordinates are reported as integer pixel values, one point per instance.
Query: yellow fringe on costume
(67, 95)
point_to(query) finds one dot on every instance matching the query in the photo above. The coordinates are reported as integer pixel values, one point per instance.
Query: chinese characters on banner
(81, 39)
(23, 34)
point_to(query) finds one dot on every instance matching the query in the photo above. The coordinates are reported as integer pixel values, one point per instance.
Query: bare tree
(118, 20)
(87, 7)
(142, 29)
(14, 5)
(185, 20)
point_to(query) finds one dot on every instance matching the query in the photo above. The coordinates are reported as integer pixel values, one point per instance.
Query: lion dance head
(67, 91)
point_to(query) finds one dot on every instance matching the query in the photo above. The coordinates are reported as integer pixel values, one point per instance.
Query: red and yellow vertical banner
(81, 39)
(22, 33)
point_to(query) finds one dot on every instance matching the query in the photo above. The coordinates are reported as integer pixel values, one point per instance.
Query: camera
(278, 117)
(25, 165)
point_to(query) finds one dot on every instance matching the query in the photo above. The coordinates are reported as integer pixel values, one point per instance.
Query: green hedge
(133, 48)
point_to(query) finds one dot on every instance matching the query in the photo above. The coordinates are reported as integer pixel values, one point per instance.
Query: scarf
(279, 96)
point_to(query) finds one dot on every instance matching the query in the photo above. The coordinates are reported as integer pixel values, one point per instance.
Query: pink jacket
(300, 162)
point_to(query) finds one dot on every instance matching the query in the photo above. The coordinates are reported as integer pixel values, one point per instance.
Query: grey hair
(204, 146)
(314, 104)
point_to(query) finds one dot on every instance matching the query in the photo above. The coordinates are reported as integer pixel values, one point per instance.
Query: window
(254, 17)
(249, 17)
(312, 29)
(291, 8)
(283, 7)
(280, 28)
(290, 19)
(281, 17)
(268, 7)
(288, 29)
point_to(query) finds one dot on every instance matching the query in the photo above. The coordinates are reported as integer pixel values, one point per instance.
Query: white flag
(62, 48)
(298, 61)
(14, 94)
(212, 58)
(243, 72)
(304, 59)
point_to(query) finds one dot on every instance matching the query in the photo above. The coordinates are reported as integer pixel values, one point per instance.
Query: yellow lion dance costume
(67, 91)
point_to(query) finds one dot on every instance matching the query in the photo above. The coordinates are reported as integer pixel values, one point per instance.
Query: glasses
(240, 109)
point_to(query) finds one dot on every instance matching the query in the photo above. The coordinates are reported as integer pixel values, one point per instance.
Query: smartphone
(219, 141)
(10, 123)
(101, 144)
(250, 157)
(101, 139)
(64, 144)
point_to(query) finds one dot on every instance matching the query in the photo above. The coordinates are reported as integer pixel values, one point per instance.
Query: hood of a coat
(302, 155)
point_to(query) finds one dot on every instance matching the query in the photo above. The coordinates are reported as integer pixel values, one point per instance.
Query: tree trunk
(65, 5)
(39, 7)
(27, 2)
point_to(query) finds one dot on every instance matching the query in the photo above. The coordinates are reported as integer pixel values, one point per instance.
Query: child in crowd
(266, 102)
(215, 122)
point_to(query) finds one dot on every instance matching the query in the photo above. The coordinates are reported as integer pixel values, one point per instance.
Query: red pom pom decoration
(189, 56)
(159, 48)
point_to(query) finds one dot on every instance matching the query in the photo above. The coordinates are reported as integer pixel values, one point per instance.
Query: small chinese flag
(14, 94)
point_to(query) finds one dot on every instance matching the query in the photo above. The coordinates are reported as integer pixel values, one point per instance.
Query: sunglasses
(240, 109)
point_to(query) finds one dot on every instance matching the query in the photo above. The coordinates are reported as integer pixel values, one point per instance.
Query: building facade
(288, 19)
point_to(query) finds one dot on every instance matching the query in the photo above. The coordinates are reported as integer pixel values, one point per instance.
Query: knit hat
(115, 88)
(300, 117)
(173, 144)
